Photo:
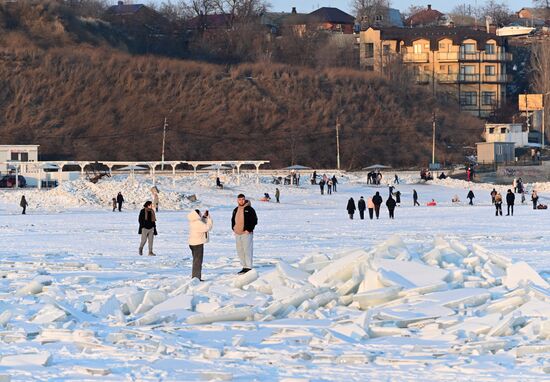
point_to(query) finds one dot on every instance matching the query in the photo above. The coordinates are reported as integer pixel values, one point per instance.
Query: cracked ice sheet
(63, 244)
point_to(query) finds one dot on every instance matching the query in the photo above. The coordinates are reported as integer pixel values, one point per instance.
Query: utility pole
(337, 143)
(163, 143)
(433, 137)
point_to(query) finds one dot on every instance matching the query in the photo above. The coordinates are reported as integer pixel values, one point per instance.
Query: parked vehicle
(8, 181)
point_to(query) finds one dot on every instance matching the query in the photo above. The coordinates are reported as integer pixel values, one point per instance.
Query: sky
(307, 6)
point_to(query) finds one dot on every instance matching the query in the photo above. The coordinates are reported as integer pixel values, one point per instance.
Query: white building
(506, 132)
(17, 153)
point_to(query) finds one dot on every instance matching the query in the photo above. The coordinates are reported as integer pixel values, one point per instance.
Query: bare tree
(371, 11)
(541, 3)
(540, 71)
(240, 10)
(174, 12)
(498, 12)
(463, 14)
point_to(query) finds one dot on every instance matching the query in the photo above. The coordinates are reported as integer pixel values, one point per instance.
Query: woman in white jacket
(198, 235)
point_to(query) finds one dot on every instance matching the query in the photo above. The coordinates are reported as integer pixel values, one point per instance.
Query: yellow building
(461, 63)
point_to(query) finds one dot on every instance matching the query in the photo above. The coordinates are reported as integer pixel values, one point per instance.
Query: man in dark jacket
(493, 195)
(147, 227)
(377, 200)
(351, 208)
(415, 198)
(120, 200)
(361, 206)
(334, 183)
(390, 203)
(471, 196)
(243, 222)
(510, 199)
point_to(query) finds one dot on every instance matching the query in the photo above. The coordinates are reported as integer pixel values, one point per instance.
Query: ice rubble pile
(475, 301)
(78, 193)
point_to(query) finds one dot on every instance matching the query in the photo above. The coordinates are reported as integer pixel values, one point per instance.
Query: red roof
(209, 21)
(426, 16)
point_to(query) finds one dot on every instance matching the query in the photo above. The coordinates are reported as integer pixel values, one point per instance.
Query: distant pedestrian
(471, 196)
(361, 206)
(120, 200)
(351, 207)
(415, 198)
(390, 203)
(277, 194)
(314, 178)
(334, 183)
(147, 227)
(396, 179)
(322, 186)
(515, 185)
(199, 226)
(243, 222)
(498, 204)
(23, 204)
(329, 186)
(468, 174)
(391, 188)
(370, 206)
(377, 200)
(398, 197)
(510, 199)
(534, 199)
(493, 195)
(114, 204)
(155, 194)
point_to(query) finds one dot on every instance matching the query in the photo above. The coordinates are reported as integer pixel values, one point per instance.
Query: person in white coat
(198, 235)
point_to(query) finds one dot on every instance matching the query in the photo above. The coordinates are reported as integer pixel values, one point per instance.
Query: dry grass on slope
(94, 103)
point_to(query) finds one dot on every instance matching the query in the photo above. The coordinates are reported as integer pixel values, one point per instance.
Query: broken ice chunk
(231, 314)
(27, 359)
(521, 272)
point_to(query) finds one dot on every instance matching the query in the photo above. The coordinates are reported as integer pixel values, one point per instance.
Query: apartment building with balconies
(459, 63)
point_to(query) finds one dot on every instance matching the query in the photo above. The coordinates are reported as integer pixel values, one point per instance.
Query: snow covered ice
(440, 293)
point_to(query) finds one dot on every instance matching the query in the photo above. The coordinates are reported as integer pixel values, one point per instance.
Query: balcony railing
(447, 56)
(451, 78)
(423, 78)
(462, 77)
(469, 56)
(415, 57)
(498, 56)
(496, 78)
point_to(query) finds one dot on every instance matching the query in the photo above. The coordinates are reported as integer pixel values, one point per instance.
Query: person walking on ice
(119, 200)
(277, 194)
(415, 199)
(361, 206)
(351, 208)
(23, 204)
(498, 204)
(114, 204)
(390, 203)
(510, 199)
(471, 196)
(534, 199)
(377, 200)
(147, 227)
(199, 226)
(243, 222)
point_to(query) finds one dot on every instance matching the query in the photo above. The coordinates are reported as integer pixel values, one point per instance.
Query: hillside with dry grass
(82, 98)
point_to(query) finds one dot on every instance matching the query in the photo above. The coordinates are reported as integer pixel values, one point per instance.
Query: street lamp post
(337, 143)
(433, 137)
(163, 143)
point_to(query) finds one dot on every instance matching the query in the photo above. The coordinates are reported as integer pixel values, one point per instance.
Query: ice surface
(26, 360)
(330, 298)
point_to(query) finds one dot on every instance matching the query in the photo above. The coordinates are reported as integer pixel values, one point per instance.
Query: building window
(469, 48)
(378, 18)
(490, 70)
(370, 68)
(386, 49)
(369, 50)
(442, 68)
(503, 130)
(442, 46)
(490, 49)
(488, 98)
(417, 48)
(468, 99)
(22, 157)
(491, 130)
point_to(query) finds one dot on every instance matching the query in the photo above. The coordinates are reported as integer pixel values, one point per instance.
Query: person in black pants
(361, 206)
(390, 203)
(377, 200)
(351, 208)
(510, 199)
(415, 198)
(119, 200)
(498, 204)
(23, 204)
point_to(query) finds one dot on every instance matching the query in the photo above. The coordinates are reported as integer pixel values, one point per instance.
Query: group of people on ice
(243, 222)
(372, 205)
(329, 182)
